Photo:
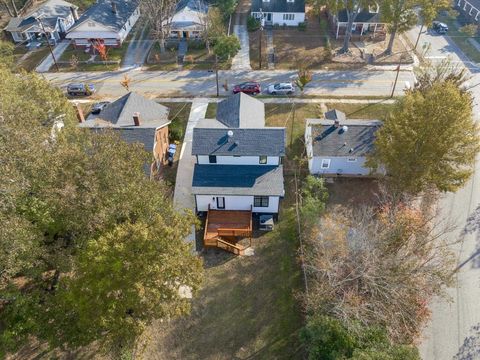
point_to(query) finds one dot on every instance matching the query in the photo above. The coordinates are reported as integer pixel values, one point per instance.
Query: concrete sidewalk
(183, 197)
(58, 50)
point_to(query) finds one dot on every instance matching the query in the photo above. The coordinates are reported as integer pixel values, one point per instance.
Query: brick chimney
(136, 118)
(79, 112)
(336, 123)
(114, 7)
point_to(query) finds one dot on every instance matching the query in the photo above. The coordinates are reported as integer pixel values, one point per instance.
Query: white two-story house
(238, 172)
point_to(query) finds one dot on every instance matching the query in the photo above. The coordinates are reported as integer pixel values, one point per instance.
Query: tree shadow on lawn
(247, 308)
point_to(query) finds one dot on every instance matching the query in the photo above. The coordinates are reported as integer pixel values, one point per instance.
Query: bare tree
(213, 26)
(378, 266)
(159, 14)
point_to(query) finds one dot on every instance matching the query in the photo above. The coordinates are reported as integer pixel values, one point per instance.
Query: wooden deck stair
(224, 228)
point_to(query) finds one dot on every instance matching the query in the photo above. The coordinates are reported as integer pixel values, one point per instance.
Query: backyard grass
(377, 110)
(461, 39)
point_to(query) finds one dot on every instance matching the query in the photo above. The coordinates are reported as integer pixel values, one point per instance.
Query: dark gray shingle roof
(357, 140)
(120, 113)
(49, 11)
(102, 13)
(238, 180)
(298, 6)
(364, 16)
(195, 5)
(241, 110)
(244, 142)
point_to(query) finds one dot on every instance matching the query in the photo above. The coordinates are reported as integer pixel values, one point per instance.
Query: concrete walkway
(58, 50)
(183, 197)
(241, 61)
(137, 51)
(270, 49)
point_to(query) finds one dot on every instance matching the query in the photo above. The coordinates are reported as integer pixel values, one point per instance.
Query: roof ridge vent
(229, 133)
(344, 128)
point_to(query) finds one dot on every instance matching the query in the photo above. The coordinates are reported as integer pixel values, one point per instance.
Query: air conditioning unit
(266, 222)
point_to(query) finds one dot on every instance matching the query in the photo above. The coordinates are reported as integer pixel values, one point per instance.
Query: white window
(325, 163)
(266, 0)
(262, 159)
(352, 159)
(288, 16)
(290, 1)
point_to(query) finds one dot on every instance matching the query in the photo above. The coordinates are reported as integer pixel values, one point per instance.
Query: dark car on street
(98, 107)
(439, 27)
(80, 89)
(250, 88)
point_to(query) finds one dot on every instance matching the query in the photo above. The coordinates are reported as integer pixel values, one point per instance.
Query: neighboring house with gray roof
(339, 148)
(137, 120)
(107, 21)
(56, 16)
(279, 12)
(368, 22)
(189, 20)
(239, 160)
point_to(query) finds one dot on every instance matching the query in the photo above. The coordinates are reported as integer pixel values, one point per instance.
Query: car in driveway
(439, 27)
(98, 107)
(80, 89)
(281, 89)
(250, 88)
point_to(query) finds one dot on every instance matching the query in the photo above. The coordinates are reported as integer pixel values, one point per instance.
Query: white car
(281, 89)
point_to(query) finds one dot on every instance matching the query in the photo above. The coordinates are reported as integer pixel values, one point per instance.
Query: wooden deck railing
(237, 250)
(234, 232)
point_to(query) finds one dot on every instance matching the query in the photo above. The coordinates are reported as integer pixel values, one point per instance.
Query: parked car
(98, 107)
(281, 89)
(251, 88)
(80, 89)
(439, 27)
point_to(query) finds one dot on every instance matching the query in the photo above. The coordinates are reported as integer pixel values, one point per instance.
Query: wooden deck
(223, 228)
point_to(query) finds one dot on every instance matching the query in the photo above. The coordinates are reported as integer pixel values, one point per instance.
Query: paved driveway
(183, 198)
(58, 50)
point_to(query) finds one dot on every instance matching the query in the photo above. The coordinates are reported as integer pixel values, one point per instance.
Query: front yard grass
(461, 39)
(34, 59)
(157, 61)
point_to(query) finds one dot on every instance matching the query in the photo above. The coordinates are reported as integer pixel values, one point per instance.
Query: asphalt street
(454, 330)
(202, 83)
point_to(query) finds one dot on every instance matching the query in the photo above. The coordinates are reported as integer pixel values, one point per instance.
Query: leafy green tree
(400, 16)
(227, 7)
(91, 249)
(470, 30)
(429, 140)
(428, 13)
(226, 46)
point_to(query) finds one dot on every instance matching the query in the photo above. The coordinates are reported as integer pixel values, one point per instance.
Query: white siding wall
(17, 36)
(236, 203)
(240, 160)
(339, 165)
(278, 19)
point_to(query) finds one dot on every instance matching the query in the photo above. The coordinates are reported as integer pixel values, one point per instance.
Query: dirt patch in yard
(352, 192)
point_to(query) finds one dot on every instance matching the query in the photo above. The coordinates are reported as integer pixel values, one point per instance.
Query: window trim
(288, 16)
(261, 201)
(212, 159)
(223, 201)
(325, 162)
(263, 159)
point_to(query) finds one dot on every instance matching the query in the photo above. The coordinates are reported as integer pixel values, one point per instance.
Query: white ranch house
(279, 12)
(106, 21)
(368, 22)
(339, 147)
(189, 20)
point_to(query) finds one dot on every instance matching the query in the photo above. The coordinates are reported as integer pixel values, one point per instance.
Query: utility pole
(418, 38)
(396, 79)
(260, 36)
(48, 42)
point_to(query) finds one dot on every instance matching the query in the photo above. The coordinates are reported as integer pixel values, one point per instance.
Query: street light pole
(48, 43)
(395, 83)
(418, 38)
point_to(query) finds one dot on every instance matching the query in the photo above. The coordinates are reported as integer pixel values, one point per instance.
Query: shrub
(470, 30)
(302, 26)
(175, 130)
(253, 24)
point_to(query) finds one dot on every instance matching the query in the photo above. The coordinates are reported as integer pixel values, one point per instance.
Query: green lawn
(34, 58)
(376, 111)
(460, 39)
(71, 51)
(211, 111)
